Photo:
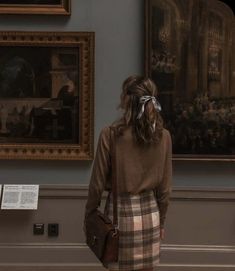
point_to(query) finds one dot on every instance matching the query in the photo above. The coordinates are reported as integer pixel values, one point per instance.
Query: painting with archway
(190, 55)
(46, 95)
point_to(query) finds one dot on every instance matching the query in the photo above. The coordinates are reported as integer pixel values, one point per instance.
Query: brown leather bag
(102, 234)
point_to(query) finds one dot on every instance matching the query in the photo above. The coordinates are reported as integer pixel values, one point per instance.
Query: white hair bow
(144, 99)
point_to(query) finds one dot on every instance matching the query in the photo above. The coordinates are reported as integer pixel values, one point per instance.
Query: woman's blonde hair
(148, 128)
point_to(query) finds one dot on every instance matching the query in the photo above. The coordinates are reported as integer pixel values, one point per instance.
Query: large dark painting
(190, 55)
(43, 93)
(35, 7)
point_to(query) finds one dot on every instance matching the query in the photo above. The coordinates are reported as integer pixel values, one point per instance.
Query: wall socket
(53, 229)
(38, 228)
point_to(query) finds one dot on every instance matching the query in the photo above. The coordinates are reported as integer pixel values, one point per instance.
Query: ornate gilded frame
(64, 8)
(84, 43)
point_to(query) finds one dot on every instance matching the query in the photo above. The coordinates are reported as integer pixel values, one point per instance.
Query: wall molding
(98, 267)
(183, 254)
(198, 248)
(179, 193)
(166, 247)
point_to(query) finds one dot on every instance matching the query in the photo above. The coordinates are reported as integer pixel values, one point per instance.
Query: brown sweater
(138, 169)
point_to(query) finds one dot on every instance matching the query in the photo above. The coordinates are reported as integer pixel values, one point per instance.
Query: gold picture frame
(50, 7)
(47, 95)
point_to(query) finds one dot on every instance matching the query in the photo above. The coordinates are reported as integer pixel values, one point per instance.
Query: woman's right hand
(162, 233)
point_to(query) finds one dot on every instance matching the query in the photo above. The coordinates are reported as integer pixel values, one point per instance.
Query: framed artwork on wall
(46, 95)
(189, 55)
(56, 7)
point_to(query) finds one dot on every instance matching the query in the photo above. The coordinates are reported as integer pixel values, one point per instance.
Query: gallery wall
(119, 52)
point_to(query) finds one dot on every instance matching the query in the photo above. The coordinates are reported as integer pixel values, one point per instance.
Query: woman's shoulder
(166, 135)
(106, 130)
(166, 132)
(112, 126)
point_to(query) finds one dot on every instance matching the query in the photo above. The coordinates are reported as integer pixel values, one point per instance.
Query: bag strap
(114, 176)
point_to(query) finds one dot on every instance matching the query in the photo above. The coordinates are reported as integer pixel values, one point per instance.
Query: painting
(54, 7)
(189, 55)
(46, 95)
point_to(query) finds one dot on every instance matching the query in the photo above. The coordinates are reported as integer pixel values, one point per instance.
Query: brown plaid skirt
(139, 226)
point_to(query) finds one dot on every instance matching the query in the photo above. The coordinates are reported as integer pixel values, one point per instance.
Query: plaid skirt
(139, 227)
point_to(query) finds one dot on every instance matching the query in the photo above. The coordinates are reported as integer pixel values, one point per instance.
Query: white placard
(20, 197)
(0, 191)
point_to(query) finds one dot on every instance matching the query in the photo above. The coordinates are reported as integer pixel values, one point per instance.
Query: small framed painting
(56, 7)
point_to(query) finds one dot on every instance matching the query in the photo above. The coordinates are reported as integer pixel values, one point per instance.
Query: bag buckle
(115, 230)
(94, 240)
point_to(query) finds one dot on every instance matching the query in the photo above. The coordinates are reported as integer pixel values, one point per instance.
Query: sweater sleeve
(164, 189)
(100, 171)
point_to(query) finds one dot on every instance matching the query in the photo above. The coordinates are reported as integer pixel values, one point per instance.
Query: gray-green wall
(119, 52)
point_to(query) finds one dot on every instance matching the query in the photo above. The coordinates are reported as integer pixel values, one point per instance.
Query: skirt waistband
(145, 193)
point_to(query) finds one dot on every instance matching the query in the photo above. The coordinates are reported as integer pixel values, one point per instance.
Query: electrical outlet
(53, 229)
(38, 228)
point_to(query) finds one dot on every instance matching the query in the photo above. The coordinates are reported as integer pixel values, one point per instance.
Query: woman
(144, 172)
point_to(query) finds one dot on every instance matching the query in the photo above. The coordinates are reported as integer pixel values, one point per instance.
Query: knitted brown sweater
(139, 168)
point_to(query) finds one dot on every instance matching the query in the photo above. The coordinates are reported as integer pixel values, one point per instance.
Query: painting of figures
(46, 95)
(190, 55)
(39, 97)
